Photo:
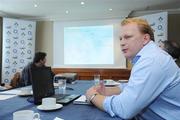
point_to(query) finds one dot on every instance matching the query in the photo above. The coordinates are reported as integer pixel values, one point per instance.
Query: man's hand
(91, 91)
(101, 89)
(97, 99)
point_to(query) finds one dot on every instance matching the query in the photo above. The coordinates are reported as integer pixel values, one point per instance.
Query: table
(68, 112)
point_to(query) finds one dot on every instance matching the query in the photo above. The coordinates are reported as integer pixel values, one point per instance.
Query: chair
(42, 83)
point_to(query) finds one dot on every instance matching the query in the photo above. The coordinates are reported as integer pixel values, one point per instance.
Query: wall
(174, 27)
(44, 39)
(0, 46)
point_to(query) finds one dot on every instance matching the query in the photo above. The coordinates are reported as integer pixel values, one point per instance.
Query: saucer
(123, 81)
(41, 107)
(111, 83)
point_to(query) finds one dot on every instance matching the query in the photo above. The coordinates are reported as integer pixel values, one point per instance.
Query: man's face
(132, 40)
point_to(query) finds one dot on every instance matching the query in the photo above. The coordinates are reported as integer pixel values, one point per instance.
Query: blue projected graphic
(88, 45)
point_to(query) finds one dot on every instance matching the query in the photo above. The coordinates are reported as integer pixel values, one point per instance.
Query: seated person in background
(24, 78)
(14, 81)
(173, 49)
(38, 61)
(152, 92)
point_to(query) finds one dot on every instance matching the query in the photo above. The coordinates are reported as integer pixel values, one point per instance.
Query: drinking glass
(96, 79)
(62, 86)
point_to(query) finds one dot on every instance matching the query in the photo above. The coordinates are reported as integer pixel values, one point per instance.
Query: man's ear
(146, 39)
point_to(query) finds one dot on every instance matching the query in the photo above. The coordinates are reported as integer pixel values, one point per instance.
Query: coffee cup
(26, 115)
(26, 90)
(49, 102)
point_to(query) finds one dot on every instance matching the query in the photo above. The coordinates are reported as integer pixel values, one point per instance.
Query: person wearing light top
(152, 92)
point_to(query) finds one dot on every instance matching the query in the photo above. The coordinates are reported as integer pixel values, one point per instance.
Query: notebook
(66, 98)
(42, 85)
(81, 100)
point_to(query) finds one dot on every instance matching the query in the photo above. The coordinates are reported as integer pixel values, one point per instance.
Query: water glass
(62, 86)
(96, 79)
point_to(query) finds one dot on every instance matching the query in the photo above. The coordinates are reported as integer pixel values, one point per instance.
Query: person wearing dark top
(38, 61)
(172, 48)
(25, 76)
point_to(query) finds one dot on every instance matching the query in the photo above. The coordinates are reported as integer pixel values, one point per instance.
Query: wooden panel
(87, 74)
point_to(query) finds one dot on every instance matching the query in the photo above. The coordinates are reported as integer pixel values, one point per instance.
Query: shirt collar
(142, 52)
(135, 59)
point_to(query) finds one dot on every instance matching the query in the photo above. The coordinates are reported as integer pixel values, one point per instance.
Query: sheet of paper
(2, 88)
(4, 97)
(81, 100)
(57, 118)
(11, 92)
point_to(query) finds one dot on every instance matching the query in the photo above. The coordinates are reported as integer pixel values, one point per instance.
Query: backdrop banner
(159, 23)
(18, 46)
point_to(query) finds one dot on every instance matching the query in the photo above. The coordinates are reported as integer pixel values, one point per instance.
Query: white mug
(25, 115)
(49, 102)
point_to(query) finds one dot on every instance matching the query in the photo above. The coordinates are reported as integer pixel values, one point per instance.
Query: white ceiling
(92, 9)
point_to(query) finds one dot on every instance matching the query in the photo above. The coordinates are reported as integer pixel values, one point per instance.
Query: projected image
(88, 45)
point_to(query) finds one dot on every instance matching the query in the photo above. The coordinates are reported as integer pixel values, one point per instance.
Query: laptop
(42, 85)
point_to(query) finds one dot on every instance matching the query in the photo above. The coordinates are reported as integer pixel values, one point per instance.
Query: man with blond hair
(152, 92)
